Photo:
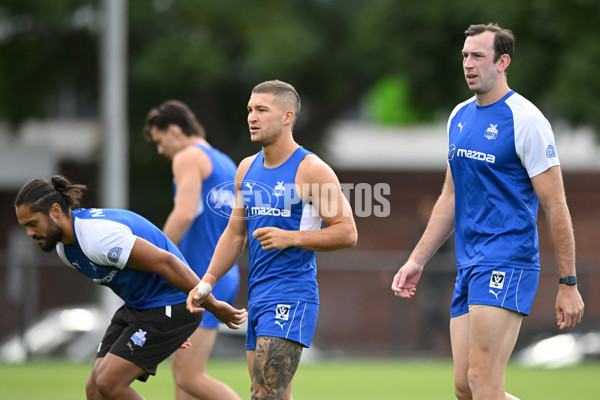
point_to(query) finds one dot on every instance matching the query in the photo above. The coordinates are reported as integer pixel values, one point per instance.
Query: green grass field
(346, 379)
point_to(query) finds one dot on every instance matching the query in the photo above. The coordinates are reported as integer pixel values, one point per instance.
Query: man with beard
(127, 253)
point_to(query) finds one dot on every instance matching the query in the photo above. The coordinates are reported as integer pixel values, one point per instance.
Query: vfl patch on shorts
(505, 287)
(497, 280)
(295, 321)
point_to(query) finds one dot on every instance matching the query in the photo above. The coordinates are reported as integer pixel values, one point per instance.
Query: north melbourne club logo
(491, 132)
(139, 338)
(497, 279)
(550, 151)
(114, 254)
(279, 189)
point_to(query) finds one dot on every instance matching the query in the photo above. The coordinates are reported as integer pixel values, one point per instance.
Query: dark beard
(54, 235)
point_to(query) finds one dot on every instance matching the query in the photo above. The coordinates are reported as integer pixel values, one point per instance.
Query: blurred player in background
(284, 194)
(199, 171)
(502, 163)
(124, 251)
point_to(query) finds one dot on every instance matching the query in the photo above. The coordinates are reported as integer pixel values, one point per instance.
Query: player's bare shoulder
(315, 174)
(192, 152)
(314, 170)
(192, 158)
(243, 168)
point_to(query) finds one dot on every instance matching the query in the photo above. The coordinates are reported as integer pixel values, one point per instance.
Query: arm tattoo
(275, 363)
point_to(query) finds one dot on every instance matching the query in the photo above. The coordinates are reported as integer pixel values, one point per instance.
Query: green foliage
(388, 103)
(211, 53)
(46, 49)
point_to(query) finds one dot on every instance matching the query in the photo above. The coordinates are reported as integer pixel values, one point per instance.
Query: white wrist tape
(204, 288)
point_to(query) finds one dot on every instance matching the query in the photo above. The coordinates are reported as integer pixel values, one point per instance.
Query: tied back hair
(40, 194)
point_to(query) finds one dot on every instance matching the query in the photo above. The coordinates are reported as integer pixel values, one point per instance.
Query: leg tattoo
(275, 363)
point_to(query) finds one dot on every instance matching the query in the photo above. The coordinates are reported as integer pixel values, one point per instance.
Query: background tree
(210, 55)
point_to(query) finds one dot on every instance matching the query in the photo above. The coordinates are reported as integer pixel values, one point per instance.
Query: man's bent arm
(188, 180)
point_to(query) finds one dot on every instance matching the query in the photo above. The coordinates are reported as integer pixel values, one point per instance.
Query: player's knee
(192, 382)
(259, 392)
(105, 386)
(478, 378)
(462, 391)
(256, 394)
(91, 391)
(180, 378)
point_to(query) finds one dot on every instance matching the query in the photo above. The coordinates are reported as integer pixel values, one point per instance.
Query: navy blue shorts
(147, 337)
(506, 287)
(296, 321)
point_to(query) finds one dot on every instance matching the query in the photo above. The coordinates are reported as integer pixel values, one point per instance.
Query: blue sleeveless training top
(270, 199)
(214, 207)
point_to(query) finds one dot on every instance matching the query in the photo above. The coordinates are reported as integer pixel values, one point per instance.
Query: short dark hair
(40, 194)
(283, 93)
(177, 113)
(504, 39)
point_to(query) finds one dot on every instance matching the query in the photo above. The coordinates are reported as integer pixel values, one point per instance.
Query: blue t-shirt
(214, 208)
(494, 151)
(103, 242)
(270, 199)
